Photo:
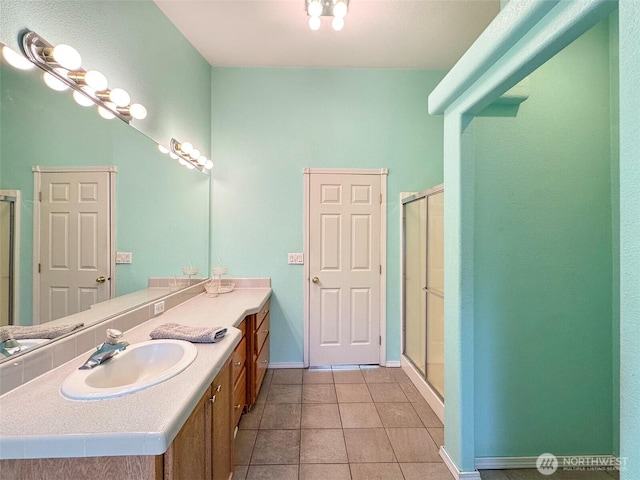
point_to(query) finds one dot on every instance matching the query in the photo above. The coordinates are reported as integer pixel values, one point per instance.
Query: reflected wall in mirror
(161, 208)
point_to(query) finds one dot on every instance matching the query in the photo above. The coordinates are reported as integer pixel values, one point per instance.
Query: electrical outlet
(158, 308)
(124, 257)
(296, 258)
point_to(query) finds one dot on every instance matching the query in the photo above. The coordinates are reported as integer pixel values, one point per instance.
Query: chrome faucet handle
(113, 336)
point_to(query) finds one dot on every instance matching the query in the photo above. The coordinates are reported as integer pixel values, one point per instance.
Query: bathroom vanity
(181, 428)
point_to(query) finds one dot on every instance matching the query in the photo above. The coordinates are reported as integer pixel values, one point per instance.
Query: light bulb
(186, 148)
(138, 111)
(195, 153)
(182, 161)
(340, 9)
(208, 165)
(163, 149)
(337, 23)
(173, 155)
(95, 80)
(106, 113)
(189, 166)
(202, 160)
(67, 57)
(16, 60)
(120, 97)
(314, 23)
(54, 83)
(315, 8)
(82, 99)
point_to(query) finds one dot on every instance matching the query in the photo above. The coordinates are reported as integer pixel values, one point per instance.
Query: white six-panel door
(74, 242)
(344, 268)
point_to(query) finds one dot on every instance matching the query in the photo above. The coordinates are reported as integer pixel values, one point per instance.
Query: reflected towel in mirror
(40, 331)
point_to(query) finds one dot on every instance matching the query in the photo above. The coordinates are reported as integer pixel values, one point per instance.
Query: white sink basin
(140, 366)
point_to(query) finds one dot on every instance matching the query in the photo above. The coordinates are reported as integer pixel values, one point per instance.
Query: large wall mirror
(161, 209)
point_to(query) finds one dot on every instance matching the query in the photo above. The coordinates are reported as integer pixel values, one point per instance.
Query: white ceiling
(424, 34)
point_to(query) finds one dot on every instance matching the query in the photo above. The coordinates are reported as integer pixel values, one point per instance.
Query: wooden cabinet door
(188, 456)
(221, 456)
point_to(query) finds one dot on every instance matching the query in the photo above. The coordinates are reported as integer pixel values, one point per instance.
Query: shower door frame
(15, 267)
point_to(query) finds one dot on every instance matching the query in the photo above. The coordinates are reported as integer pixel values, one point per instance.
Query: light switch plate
(296, 258)
(124, 257)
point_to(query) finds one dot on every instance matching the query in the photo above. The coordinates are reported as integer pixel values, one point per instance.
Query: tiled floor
(367, 423)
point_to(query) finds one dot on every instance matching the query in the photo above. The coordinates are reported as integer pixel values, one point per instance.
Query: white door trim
(16, 252)
(37, 183)
(382, 172)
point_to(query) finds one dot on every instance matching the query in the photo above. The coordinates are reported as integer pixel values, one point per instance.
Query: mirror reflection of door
(74, 242)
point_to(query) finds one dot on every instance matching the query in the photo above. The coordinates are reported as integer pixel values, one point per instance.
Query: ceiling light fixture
(326, 8)
(62, 65)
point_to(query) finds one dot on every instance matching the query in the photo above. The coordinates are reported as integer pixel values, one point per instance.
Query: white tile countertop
(36, 421)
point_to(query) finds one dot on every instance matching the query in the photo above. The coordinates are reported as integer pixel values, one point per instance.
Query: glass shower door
(435, 291)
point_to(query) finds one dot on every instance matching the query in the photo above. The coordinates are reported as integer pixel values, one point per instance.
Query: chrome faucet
(108, 349)
(8, 344)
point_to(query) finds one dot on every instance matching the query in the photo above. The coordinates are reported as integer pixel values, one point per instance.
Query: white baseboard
(424, 388)
(393, 363)
(500, 463)
(286, 365)
(457, 474)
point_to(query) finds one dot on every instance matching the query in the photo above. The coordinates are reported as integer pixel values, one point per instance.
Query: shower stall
(9, 238)
(423, 292)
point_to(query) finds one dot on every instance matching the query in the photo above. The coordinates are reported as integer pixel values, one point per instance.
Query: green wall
(267, 125)
(543, 263)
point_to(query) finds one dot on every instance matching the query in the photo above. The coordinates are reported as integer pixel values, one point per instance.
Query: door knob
(315, 279)
(101, 279)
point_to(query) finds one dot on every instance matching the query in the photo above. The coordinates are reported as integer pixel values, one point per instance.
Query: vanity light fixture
(326, 8)
(62, 67)
(16, 60)
(187, 155)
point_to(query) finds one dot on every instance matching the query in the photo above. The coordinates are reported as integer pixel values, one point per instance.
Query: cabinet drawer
(239, 397)
(261, 366)
(261, 334)
(238, 359)
(262, 314)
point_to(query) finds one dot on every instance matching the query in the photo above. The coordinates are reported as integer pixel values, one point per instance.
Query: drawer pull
(265, 361)
(218, 388)
(266, 331)
(213, 399)
(237, 364)
(237, 406)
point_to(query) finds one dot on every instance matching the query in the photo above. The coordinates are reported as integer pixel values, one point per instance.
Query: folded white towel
(40, 331)
(176, 331)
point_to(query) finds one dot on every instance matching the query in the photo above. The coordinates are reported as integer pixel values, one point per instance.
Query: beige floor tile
(400, 375)
(438, 436)
(319, 393)
(273, 472)
(422, 471)
(353, 392)
(368, 445)
(262, 394)
(240, 472)
(413, 445)
(376, 471)
(412, 393)
(493, 475)
(276, 447)
(324, 471)
(320, 415)
(428, 416)
(243, 446)
(268, 376)
(287, 376)
(347, 376)
(359, 415)
(377, 374)
(285, 394)
(400, 415)
(387, 392)
(281, 416)
(251, 420)
(317, 375)
(322, 446)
